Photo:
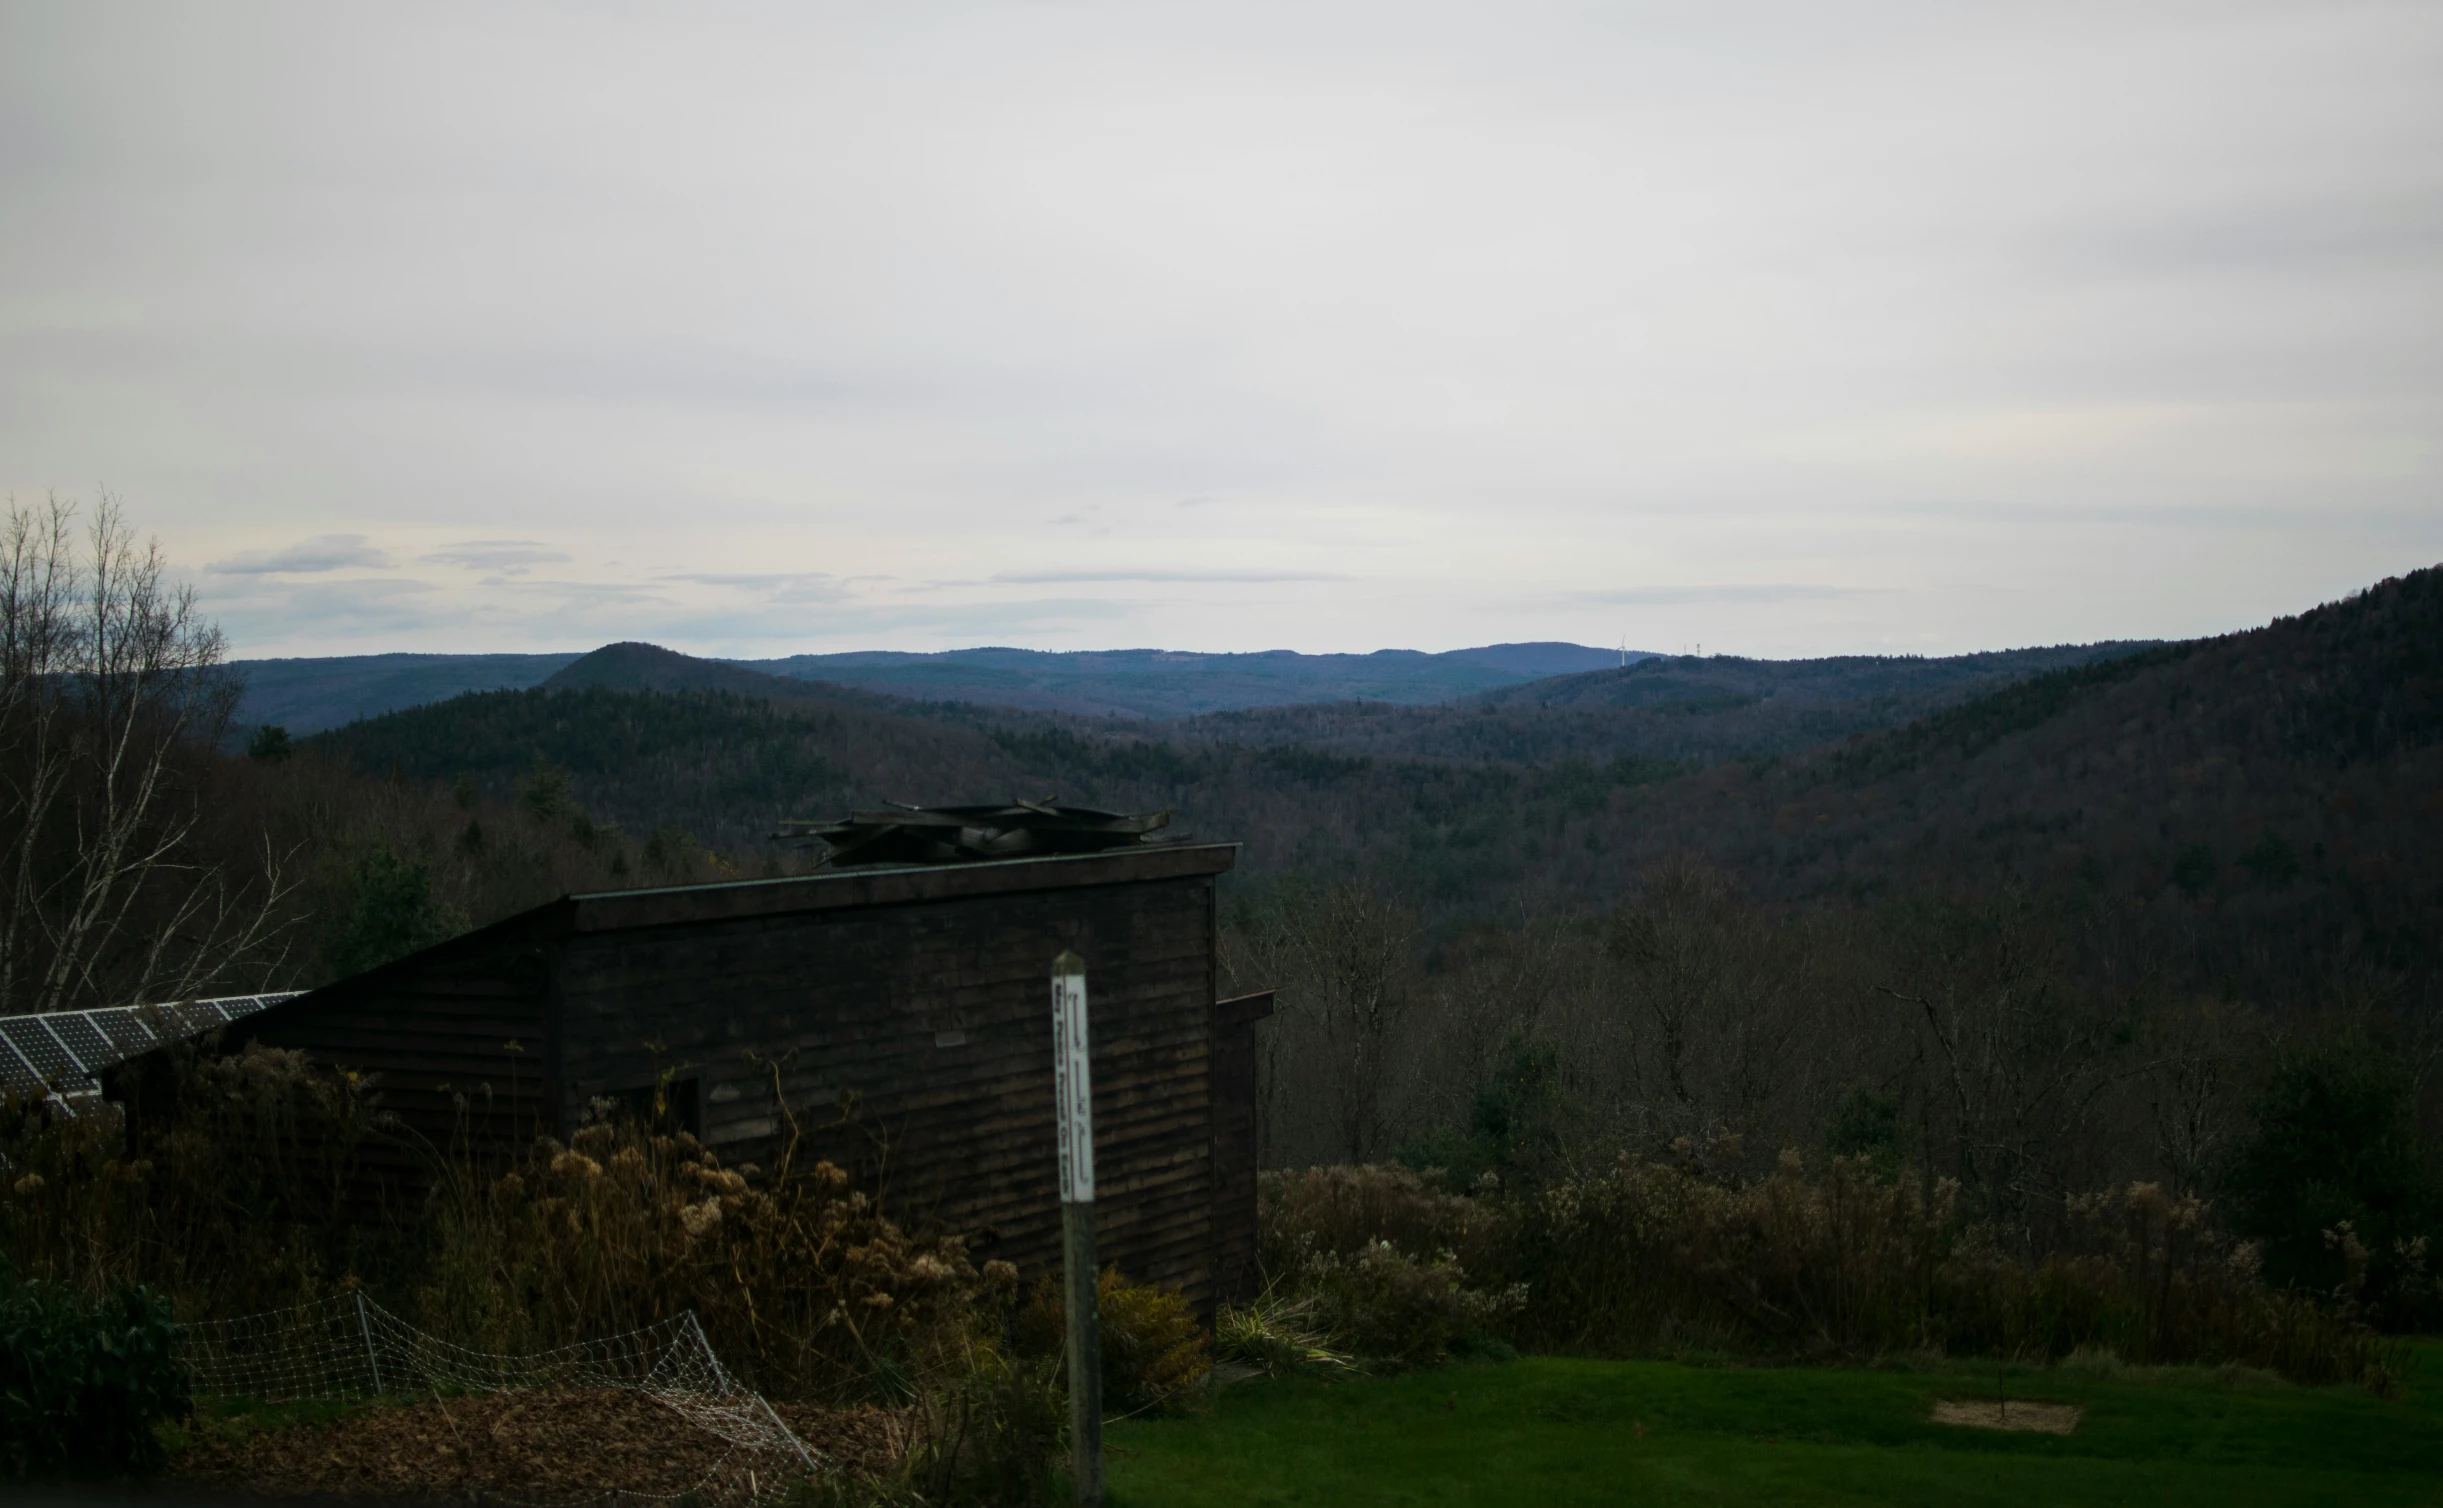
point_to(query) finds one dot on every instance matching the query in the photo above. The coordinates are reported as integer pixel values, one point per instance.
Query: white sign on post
(1070, 1081)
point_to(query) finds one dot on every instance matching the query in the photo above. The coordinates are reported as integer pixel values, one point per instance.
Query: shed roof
(59, 1054)
(824, 890)
(831, 889)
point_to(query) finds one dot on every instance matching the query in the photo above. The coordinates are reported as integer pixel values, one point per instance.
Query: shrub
(1153, 1345)
(803, 1286)
(227, 1187)
(83, 1382)
(990, 1432)
(1655, 1254)
(1844, 1260)
(1377, 1261)
(1343, 1210)
(1388, 1306)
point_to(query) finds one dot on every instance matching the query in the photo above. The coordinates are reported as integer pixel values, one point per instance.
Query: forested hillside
(1678, 708)
(2055, 936)
(2268, 799)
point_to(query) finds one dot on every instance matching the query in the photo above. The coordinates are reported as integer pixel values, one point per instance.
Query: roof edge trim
(603, 911)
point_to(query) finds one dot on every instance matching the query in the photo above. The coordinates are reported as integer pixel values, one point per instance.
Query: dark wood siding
(900, 1019)
(1235, 1274)
(932, 1022)
(460, 1047)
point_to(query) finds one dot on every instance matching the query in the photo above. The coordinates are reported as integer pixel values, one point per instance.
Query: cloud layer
(1787, 328)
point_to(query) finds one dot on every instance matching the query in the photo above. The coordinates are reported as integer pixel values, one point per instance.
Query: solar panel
(64, 1048)
(39, 1047)
(187, 1018)
(124, 1029)
(15, 1076)
(84, 1040)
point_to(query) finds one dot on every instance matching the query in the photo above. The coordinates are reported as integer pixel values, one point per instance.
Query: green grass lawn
(1556, 1431)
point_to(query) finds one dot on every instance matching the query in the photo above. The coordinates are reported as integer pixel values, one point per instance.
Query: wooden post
(1075, 1088)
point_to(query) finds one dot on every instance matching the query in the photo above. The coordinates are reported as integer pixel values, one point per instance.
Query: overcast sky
(1784, 329)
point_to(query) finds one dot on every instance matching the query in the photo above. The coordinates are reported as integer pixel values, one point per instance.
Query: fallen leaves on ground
(542, 1445)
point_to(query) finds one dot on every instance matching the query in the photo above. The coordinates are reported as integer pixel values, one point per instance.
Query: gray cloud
(2134, 314)
(324, 552)
(1157, 573)
(579, 594)
(799, 586)
(376, 607)
(2316, 235)
(1758, 592)
(507, 556)
(949, 623)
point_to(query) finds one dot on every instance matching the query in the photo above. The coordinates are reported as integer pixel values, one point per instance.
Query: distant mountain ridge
(1165, 683)
(310, 695)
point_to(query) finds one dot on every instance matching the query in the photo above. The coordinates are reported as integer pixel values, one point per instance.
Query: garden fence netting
(349, 1349)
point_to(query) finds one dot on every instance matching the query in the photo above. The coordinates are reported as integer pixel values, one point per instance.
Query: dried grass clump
(1280, 1333)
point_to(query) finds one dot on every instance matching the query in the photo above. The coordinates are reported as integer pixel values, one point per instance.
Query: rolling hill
(1676, 708)
(2267, 805)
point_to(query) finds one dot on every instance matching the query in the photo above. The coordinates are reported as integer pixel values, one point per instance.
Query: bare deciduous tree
(111, 695)
(1342, 958)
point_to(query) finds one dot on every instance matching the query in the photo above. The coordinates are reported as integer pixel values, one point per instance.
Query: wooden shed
(916, 1000)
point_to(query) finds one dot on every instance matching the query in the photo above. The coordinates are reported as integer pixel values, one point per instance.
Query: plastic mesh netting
(350, 1349)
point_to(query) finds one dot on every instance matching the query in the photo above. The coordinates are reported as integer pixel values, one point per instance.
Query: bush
(82, 1383)
(229, 1186)
(1153, 1346)
(1662, 1255)
(1375, 1261)
(1343, 1210)
(1388, 1306)
(802, 1285)
(1845, 1260)
(991, 1431)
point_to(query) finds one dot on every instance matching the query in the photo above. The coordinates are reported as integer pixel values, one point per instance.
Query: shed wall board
(933, 1020)
(919, 998)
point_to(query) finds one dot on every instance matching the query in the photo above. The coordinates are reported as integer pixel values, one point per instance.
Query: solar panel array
(57, 1054)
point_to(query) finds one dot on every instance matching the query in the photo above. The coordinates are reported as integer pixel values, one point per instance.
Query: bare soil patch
(541, 1446)
(1991, 1413)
